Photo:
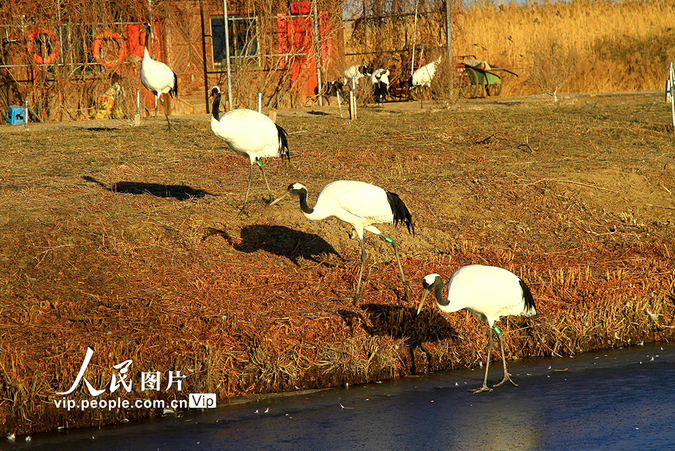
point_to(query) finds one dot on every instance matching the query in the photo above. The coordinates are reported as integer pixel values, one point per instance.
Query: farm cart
(474, 74)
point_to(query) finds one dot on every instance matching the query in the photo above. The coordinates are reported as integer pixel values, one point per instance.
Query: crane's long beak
(286, 194)
(424, 296)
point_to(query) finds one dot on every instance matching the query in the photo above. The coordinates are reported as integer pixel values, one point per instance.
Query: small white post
(671, 88)
(260, 102)
(137, 118)
(26, 115)
(352, 99)
(339, 104)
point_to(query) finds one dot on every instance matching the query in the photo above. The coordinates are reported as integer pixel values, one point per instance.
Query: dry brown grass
(127, 240)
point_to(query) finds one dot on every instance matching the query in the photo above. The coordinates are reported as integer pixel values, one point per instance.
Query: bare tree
(553, 66)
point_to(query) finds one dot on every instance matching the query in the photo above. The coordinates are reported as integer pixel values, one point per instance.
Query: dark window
(243, 40)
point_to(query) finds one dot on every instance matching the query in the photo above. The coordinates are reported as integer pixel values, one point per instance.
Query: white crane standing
(361, 205)
(249, 134)
(380, 83)
(157, 77)
(422, 76)
(488, 292)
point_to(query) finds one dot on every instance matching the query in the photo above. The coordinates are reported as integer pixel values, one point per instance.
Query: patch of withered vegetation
(128, 241)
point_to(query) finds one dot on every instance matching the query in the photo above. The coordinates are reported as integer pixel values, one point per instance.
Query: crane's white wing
(488, 291)
(156, 76)
(363, 200)
(248, 132)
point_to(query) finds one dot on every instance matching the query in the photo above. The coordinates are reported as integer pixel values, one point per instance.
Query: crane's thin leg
(156, 105)
(167, 116)
(265, 177)
(487, 365)
(250, 178)
(406, 284)
(363, 264)
(507, 376)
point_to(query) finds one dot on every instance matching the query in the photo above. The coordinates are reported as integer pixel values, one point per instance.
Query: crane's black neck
(437, 288)
(147, 37)
(303, 202)
(438, 292)
(216, 106)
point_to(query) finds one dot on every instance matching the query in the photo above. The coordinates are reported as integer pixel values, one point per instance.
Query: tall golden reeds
(620, 46)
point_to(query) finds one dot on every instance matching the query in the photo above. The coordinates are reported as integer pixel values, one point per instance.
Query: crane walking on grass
(157, 77)
(361, 205)
(249, 134)
(488, 292)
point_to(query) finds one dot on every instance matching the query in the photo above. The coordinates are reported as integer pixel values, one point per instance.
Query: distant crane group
(487, 291)
(156, 76)
(361, 205)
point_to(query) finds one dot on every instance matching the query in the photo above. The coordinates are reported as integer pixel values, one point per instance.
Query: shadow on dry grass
(179, 192)
(278, 240)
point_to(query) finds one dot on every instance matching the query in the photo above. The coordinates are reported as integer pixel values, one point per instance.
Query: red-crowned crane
(380, 83)
(249, 134)
(423, 75)
(361, 205)
(357, 71)
(488, 292)
(157, 77)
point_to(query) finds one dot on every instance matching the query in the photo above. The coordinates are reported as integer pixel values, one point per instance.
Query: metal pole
(58, 11)
(204, 65)
(365, 28)
(317, 48)
(406, 32)
(448, 33)
(260, 102)
(152, 35)
(412, 64)
(154, 50)
(227, 54)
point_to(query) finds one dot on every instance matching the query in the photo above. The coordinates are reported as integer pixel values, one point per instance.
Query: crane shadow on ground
(402, 322)
(279, 240)
(180, 192)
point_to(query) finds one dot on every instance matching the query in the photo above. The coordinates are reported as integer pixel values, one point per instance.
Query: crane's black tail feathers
(174, 90)
(401, 213)
(529, 300)
(284, 153)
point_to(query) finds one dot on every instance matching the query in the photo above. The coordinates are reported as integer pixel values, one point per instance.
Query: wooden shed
(66, 63)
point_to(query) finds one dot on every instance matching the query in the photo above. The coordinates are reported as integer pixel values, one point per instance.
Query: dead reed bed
(583, 45)
(554, 47)
(126, 240)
